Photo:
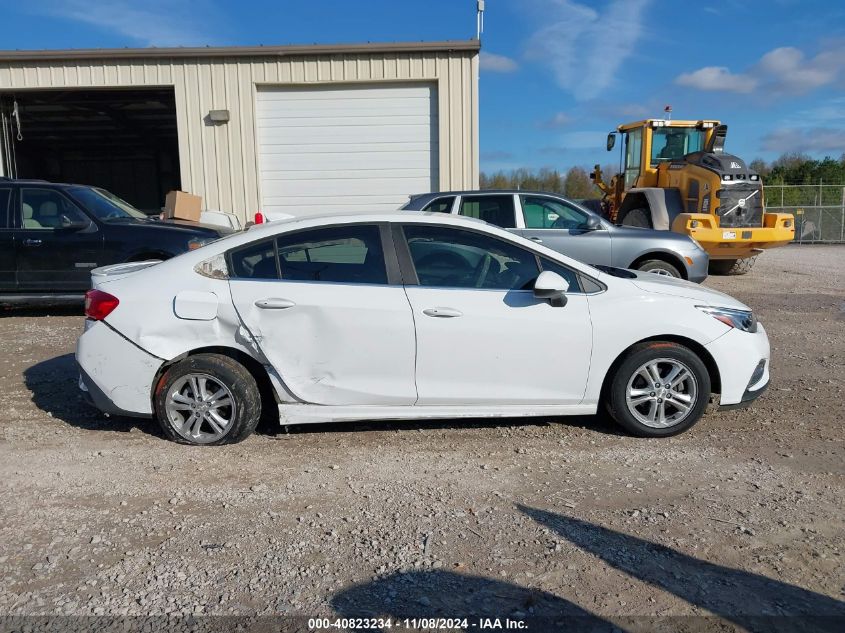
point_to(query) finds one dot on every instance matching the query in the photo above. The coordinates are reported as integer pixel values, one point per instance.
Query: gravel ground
(741, 517)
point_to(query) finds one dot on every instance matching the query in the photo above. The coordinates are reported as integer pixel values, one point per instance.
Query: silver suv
(565, 226)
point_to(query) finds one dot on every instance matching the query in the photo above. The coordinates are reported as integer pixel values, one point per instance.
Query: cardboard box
(182, 206)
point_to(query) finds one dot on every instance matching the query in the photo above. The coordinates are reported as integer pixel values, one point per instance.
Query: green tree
(577, 184)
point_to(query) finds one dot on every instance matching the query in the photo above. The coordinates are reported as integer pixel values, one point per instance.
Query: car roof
(469, 192)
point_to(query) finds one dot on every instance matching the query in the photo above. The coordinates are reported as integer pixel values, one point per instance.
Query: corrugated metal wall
(219, 162)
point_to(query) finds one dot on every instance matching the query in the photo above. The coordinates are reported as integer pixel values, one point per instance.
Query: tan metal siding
(219, 162)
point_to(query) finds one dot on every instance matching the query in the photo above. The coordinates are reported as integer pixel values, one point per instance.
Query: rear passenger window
(498, 210)
(340, 254)
(5, 196)
(440, 205)
(257, 261)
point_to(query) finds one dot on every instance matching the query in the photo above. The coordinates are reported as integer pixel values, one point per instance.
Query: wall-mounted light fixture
(218, 116)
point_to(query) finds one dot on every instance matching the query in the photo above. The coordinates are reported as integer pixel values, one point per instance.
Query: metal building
(290, 128)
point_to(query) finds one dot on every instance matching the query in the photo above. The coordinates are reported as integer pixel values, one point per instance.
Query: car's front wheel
(659, 389)
(207, 399)
(659, 267)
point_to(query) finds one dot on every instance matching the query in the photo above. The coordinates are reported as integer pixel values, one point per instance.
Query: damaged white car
(406, 316)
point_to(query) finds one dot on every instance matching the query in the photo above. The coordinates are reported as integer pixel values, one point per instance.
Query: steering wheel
(483, 269)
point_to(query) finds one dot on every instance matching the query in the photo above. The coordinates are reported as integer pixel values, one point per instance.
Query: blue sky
(556, 76)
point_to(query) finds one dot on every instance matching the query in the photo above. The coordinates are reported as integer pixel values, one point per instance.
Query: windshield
(105, 205)
(672, 143)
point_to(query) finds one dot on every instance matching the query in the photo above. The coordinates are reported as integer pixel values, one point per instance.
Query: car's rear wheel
(659, 389)
(207, 399)
(659, 267)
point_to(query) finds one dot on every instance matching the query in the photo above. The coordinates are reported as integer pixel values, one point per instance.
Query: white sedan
(406, 316)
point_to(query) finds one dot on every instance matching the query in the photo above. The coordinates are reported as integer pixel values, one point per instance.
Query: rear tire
(732, 266)
(637, 217)
(208, 400)
(647, 410)
(659, 267)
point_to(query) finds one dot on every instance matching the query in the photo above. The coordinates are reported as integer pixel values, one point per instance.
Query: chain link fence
(819, 210)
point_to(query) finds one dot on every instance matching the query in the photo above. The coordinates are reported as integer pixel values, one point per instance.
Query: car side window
(47, 209)
(498, 210)
(567, 273)
(339, 254)
(454, 258)
(5, 216)
(440, 205)
(546, 213)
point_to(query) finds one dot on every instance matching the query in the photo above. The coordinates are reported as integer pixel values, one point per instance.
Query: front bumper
(738, 355)
(697, 270)
(115, 375)
(735, 243)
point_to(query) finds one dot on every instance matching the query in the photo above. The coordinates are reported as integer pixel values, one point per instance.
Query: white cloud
(585, 48)
(814, 140)
(784, 70)
(560, 119)
(592, 139)
(497, 63)
(152, 23)
(717, 78)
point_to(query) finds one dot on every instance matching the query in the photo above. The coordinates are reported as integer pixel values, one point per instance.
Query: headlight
(740, 319)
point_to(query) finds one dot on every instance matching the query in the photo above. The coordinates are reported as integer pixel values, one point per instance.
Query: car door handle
(536, 239)
(274, 303)
(32, 242)
(442, 313)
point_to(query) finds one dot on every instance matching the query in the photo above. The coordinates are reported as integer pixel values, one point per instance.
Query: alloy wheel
(661, 393)
(200, 408)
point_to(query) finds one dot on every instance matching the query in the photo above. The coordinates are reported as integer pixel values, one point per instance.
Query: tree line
(788, 169)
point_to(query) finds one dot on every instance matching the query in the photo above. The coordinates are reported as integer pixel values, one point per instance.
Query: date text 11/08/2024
(415, 624)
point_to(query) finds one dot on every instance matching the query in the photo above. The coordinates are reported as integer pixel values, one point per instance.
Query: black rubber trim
(747, 398)
(403, 254)
(394, 272)
(96, 397)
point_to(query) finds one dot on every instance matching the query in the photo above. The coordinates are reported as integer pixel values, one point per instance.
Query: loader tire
(637, 217)
(732, 266)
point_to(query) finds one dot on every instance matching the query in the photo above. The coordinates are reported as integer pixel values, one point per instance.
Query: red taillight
(259, 217)
(99, 304)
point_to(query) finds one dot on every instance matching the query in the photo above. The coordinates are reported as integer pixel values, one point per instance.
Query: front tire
(659, 267)
(637, 217)
(207, 399)
(732, 266)
(658, 390)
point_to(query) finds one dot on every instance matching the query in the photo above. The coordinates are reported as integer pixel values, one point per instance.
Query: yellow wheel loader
(676, 176)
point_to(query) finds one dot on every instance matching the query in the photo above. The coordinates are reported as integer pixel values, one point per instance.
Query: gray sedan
(569, 228)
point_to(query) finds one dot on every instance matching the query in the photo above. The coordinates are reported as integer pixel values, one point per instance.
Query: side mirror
(73, 225)
(611, 141)
(551, 287)
(592, 223)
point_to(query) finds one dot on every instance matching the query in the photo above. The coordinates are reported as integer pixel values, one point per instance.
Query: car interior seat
(28, 221)
(48, 214)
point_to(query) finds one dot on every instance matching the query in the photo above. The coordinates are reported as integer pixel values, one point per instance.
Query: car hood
(185, 227)
(641, 233)
(665, 285)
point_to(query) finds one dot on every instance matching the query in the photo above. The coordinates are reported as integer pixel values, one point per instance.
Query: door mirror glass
(551, 287)
(611, 141)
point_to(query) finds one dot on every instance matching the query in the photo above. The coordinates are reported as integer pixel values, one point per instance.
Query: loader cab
(646, 144)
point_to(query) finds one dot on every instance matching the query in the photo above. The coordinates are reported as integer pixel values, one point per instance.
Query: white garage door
(356, 148)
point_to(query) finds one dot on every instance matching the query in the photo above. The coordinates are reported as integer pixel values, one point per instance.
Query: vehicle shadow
(749, 600)
(54, 387)
(437, 593)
